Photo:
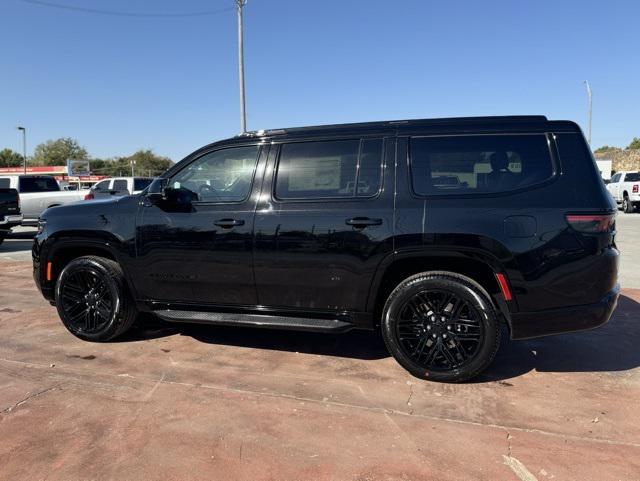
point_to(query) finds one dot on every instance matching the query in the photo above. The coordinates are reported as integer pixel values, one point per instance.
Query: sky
(120, 83)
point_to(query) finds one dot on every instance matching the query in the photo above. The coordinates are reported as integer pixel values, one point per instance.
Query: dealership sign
(78, 167)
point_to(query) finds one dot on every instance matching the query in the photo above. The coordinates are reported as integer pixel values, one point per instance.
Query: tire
(448, 315)
(627, 205)
(93, 299)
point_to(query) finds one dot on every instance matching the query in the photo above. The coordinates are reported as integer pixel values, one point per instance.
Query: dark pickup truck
(9, 211)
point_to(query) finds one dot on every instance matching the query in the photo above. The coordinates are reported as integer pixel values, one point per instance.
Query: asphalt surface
(177, 402)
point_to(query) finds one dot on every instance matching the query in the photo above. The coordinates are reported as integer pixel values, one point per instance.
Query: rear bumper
(9, 221)
(525, 325)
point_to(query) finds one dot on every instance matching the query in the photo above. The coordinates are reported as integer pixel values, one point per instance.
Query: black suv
(435, 231)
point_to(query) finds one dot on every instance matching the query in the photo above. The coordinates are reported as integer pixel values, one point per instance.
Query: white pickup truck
(624, 187)
(37, 194)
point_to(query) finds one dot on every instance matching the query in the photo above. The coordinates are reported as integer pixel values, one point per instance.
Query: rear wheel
(441, 326)
(93, 300)
(627, 205)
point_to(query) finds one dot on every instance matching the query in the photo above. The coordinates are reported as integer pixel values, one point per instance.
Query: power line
(116, 13)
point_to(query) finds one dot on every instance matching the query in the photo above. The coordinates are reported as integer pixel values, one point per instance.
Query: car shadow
(355, 344)
(610, 348)
(15, 245)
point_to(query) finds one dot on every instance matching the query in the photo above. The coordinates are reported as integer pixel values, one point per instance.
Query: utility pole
(589, 93)
(24, 147)
(133, 164)
(243, 115)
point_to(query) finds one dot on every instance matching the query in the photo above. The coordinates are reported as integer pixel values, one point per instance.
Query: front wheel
(441, 326)
(93, 299)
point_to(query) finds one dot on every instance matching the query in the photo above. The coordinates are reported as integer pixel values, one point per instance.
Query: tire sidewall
(466, 291)
(111, 282)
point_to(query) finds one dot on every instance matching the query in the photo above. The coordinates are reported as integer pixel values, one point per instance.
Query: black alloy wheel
(439, 330)
(441, 326)
(87, 301)
(93, 300)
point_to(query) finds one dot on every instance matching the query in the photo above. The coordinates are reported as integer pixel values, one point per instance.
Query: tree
(57, 152)
(604, 148)
(635, 143)
(9, 158)
(147, 163)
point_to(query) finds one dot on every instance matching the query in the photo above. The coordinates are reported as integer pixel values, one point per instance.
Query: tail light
(593, 223)
(635, 188)
(89, 196)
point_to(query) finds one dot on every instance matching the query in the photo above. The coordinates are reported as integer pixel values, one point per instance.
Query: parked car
(38, 193)
(345, 227)
(10, 215)
(624, 187)
(118, 187)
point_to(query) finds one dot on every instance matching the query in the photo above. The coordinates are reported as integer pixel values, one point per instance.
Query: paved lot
(190, 402)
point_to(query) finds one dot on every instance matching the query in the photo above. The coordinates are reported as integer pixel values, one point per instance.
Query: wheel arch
(479, 267)
(64, 251)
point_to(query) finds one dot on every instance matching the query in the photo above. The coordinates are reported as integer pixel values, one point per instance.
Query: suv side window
(329, 169)
(221, 176)
(469, 164)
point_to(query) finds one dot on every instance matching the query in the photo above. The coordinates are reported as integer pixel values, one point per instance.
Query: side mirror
(155, 191)
(179, 196)
(170, 198)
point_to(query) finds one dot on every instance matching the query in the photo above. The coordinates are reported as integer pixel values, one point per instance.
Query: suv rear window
(468, 164)
(38, 184)
(329, 169)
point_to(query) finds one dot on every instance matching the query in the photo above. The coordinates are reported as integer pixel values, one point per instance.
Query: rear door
(324, 223)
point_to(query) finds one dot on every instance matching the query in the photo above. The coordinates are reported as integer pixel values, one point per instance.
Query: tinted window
(635, 177)
(120, 185)
(140, 184)
(312, 170)
(38, 184)
(220, 176)
(478, 163)
(5, 183)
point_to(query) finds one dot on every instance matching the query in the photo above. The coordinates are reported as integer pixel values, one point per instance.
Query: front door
(324, 223)
(204, 255)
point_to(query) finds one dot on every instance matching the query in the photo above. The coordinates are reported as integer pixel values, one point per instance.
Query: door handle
(363, 221)
(228, 223)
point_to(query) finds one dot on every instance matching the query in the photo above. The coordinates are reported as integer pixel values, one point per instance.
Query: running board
(256, 320)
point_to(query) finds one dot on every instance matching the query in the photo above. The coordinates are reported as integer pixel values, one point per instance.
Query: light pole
(243, 115)
(24, 147)
(589, 93)
(133, 163)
